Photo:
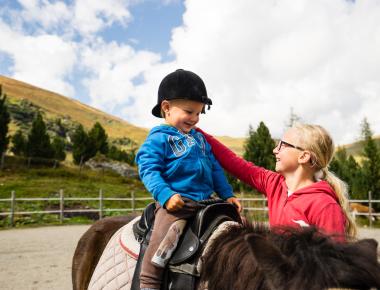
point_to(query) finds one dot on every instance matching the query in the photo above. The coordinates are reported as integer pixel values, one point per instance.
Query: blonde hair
(318, 141)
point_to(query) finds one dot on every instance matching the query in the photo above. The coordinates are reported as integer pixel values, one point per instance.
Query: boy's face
(182, 114)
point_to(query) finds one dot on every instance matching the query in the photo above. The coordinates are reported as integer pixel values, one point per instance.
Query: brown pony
(253, 257)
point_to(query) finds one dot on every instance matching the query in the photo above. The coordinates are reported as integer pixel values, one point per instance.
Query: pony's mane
(252, 256)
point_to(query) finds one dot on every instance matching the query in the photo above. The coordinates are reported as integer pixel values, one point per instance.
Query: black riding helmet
(181, 84)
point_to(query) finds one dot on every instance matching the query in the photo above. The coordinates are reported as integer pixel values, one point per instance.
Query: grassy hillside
(58, 106)
(235, 144)
(356, 148)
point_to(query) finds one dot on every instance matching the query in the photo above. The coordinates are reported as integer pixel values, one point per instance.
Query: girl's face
(182, 114)
(287, 153)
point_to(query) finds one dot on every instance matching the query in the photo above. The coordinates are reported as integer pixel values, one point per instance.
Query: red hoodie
(315, 204)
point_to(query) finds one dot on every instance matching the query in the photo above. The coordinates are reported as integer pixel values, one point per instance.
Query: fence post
(133, 200)
(61, 205)
(100, 204)
(242, 199)
(370, 208)
(13, 203)
(81, 164)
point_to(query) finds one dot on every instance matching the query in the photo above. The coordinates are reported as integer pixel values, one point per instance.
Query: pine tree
(357, 179)
(115, 153)
(19, 144)
(38, 144)
(347, 169)
(293, 119)
(259, 147)
(81, 145)
(58, 146)
(371, 162)
(4, 121)
(98, 139)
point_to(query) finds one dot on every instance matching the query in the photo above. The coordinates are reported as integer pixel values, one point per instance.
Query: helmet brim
(156, 111)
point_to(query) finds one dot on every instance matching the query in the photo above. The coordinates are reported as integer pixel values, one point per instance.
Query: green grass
(47, 183)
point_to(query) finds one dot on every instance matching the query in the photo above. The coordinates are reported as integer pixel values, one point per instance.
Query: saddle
(182, 270)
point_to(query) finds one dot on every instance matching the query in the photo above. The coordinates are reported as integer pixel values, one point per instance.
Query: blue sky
(258, 58)
(150, 28)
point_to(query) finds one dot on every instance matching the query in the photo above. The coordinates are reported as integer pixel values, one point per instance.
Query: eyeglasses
(281, 143)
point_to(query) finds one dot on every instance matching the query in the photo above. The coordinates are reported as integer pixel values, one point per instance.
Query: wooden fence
(250, 205)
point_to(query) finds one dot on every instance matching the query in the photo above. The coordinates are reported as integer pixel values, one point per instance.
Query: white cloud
(92, 16)
(44, 60)
(42, 43)
(257, 58)
(47, 14)
(113, 70)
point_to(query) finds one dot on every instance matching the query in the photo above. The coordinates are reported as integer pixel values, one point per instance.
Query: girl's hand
(174, 203)
(235, 202)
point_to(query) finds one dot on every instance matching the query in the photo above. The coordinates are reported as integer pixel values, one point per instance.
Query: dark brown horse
(254, 257)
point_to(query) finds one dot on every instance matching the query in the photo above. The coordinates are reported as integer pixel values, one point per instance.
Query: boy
(177, 167)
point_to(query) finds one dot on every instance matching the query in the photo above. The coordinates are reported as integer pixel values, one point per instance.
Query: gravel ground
(40, 258)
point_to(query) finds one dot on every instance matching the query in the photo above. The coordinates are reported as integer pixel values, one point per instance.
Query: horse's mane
(252, 256)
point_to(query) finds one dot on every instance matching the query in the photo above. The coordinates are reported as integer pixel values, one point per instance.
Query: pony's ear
(369, 246)
(274, 266)
(369, 243)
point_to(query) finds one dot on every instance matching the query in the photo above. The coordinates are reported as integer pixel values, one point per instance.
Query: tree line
(361, 173)
(38, 144)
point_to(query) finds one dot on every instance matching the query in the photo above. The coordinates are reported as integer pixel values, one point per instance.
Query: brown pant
(151, 275)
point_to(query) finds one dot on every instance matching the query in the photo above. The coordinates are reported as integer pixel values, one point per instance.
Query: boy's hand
(235, 202)
(174, 203)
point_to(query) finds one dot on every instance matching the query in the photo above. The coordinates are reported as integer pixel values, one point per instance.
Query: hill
(356, 148)
(57, 106)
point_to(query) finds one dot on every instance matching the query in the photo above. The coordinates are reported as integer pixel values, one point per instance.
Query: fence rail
(247, 202)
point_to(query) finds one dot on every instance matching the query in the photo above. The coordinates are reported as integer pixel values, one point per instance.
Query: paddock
(40, 258)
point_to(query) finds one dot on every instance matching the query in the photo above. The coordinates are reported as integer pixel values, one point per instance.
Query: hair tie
(319, 175)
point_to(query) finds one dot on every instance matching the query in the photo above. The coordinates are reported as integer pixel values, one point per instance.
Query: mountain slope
(58, 106)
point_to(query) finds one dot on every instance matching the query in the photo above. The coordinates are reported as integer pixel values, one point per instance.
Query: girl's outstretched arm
(246, 171)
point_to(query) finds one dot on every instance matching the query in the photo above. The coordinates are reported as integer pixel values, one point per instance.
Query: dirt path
(40, 258)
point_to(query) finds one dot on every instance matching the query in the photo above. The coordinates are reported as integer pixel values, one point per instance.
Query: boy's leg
(151, 275)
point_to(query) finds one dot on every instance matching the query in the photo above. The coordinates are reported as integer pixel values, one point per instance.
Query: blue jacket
(171, 162)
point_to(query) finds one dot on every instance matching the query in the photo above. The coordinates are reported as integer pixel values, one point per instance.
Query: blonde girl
(301, 191)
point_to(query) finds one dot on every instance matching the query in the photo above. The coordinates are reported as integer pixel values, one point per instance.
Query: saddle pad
(127, 239)
(115, 269)
(116, 266)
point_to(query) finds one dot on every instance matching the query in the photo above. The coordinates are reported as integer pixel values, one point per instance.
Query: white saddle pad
(127, 240)
(117, 264)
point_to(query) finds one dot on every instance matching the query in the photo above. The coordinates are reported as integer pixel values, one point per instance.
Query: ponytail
(341, 192)
(321, 146)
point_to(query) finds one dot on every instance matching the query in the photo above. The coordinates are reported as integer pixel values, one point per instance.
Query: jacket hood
(321, 187)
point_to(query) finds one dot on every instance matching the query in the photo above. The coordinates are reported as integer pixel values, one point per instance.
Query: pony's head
(254, 257)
